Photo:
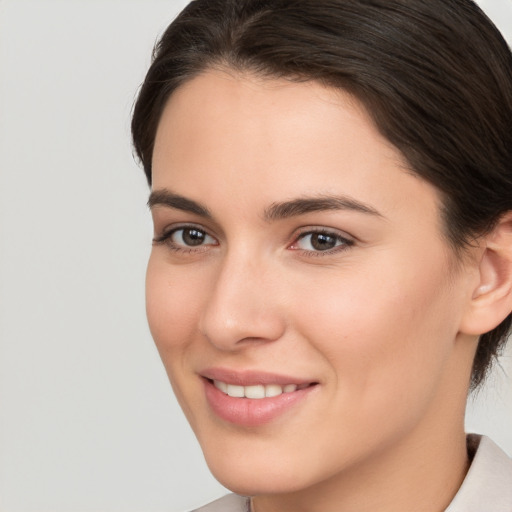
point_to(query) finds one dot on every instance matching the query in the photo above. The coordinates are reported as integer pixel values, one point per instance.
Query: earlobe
(491, 301)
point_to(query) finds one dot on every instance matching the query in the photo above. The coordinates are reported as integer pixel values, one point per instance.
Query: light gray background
(87, 418)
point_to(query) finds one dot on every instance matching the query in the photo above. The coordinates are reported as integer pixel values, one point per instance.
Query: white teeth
(257, 391)
(273, 390)
(236, 391)
(221, 385)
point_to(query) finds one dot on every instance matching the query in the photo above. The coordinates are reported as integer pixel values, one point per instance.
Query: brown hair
(436, 77)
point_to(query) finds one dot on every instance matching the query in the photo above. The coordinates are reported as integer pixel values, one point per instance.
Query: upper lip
(250, 377)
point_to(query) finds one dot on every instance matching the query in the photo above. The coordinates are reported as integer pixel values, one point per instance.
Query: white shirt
(488, 483)
(486, 488)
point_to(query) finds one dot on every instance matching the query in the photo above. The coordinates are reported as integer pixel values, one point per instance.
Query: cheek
(172, 308)
(386, 334)
(172, 305)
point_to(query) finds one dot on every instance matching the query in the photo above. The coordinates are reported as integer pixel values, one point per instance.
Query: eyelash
(166, 238)
(343, 243)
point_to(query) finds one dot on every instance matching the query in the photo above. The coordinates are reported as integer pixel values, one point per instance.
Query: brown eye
(191, 237)
(320, 241)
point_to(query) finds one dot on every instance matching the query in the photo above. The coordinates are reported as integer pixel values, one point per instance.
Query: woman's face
(296, 257)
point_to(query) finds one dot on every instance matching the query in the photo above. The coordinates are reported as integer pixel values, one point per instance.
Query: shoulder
(229, 503)
(488, 483)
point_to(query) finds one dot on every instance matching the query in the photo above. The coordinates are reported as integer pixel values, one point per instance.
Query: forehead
(232, 100)
(255, 139)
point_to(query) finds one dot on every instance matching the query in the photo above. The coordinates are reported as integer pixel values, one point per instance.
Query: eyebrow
(301, 206)
(164, 197)
(276, 211)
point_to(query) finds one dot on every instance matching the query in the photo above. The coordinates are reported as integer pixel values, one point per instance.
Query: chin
(254, 482)
(262, 471)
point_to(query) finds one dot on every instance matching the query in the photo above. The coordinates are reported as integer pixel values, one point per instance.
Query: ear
(491, 301)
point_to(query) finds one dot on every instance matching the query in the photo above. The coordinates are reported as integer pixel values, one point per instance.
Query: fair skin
(374, 317)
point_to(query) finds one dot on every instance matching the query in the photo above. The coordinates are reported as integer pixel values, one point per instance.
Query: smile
(251, 399)
(257, 392)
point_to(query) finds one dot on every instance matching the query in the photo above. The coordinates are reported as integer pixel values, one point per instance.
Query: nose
(242, 307)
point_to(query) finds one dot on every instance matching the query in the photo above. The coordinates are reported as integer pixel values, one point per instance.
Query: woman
(332, 262)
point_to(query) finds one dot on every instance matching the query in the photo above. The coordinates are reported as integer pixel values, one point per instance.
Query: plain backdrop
(88, 422)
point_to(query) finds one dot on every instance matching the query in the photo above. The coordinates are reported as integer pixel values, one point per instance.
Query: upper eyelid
(168, 225)
(324, 229)
(171, 228)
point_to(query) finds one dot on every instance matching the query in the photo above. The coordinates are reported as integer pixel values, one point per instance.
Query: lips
(252, 398)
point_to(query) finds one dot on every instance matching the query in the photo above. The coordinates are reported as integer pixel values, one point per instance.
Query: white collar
(488, 483)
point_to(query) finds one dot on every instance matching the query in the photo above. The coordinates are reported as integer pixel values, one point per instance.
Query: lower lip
(250, 412)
